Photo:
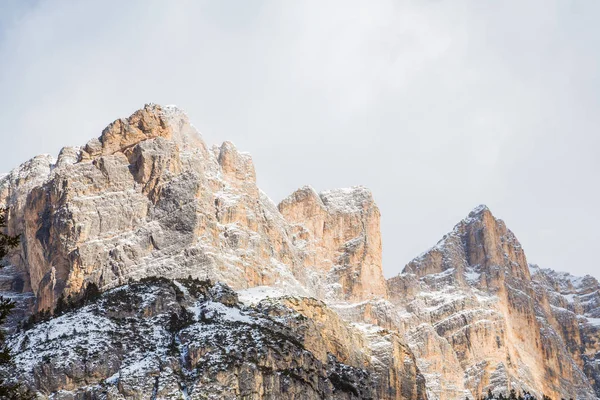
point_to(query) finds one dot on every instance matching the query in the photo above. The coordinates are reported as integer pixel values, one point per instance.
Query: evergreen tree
(7, 390)
(91, 293)
(6, 242)
(61, 305)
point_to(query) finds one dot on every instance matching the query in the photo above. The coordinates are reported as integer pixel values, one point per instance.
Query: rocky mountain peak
(490, 244)
(481, 217)
(491, 320)
(339, 234)
(564, 282)
(302, 206)
(481, 243)
(149, 200)
(147, 197)
(236, 165)
(151, 122)
(479, 211)
(350, 200)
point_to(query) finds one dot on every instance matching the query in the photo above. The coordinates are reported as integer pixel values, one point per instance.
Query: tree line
(513, 395)
(8, 389)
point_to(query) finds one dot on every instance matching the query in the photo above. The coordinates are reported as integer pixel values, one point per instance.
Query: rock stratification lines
(150, 200)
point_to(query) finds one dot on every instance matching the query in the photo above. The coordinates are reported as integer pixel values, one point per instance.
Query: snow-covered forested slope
(191, 339)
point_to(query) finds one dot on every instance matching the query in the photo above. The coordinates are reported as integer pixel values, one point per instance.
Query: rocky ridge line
(149, 198)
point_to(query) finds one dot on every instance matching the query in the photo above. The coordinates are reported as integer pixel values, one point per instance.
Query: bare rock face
(338, 235)
(149, 201)
(149, 198)
(571, 307)
(481, 242)
(482, 323)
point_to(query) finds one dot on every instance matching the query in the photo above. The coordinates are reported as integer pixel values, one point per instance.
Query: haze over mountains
(148, 212)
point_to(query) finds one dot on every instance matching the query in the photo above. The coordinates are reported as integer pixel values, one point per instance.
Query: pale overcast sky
(436, 106)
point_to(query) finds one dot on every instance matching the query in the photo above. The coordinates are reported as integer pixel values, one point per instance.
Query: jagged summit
(342, 200)
(348, 200)
(565, 282)
(495, 317)
(478, 212)
(481, 213)
(340, 229)
(149, 199)
(481, 239)
(152, 121)
(304, 194)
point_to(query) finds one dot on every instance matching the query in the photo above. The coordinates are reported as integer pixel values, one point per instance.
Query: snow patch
(256, 294)
(347, 200)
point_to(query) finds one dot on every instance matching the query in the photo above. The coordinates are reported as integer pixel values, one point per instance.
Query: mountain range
(209, 290)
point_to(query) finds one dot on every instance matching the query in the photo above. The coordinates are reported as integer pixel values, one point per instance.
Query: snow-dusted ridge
(472, 285)
(185, 338)
(149, 198)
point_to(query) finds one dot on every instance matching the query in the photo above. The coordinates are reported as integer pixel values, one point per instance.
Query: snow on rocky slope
(150, 199)
(190, 339)
(571, 306)
(477, 319)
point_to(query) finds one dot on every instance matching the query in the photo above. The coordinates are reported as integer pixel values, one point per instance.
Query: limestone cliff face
(338, 236)
(482, 323)
(146, 198)
(571, 307)
(149, 198)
